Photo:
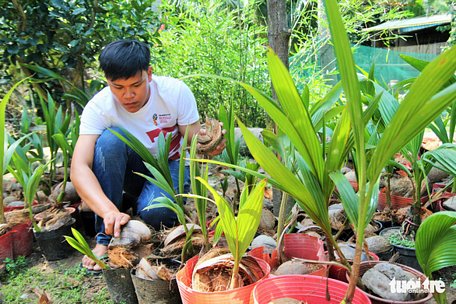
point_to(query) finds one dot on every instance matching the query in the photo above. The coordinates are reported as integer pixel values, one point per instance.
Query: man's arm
(89, 188)
(195, 129)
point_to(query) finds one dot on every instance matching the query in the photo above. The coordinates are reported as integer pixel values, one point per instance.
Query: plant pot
(364, 266)
(303, 246)
(53, 244)
(385, 256)
(18, 207)
(6, 246)
(407, 255)
(23, 239)
(155, 291)
(270, 258)
(306, 288)
(242, 295)
(120, 285)
(340, 273)
(397, 201)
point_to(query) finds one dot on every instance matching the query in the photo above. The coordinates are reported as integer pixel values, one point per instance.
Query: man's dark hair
(124, 58)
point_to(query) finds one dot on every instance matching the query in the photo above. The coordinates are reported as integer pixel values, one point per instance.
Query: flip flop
(104, 258)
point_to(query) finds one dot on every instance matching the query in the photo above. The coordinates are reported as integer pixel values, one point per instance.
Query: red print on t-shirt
(175, 141)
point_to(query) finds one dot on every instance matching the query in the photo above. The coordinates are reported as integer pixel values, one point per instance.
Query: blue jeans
(113, 165)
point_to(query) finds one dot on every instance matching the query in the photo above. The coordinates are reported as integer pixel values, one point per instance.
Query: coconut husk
(70, 193)
(179, 231)
(297, 266)
(337, 219)
(215, 274)
(267, 222)
(53, 218)
(176, 246)
(132, 244)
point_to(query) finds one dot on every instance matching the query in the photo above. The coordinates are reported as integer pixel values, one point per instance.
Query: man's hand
(113, 222)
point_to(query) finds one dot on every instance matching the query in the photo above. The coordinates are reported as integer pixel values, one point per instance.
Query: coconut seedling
(80, 244)
(239, 232)
(29, 177)
(159, 169)
(6, 155)
(424, 101)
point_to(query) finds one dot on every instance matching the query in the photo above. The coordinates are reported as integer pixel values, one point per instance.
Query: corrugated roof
(412, 24)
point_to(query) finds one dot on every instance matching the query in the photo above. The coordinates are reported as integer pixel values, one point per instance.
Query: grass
(61, 284)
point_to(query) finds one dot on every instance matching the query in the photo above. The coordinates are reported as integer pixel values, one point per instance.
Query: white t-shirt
(171, 103)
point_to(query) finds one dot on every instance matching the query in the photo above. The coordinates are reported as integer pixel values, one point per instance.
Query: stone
(450, 204)
(378, 279)
(378, 244)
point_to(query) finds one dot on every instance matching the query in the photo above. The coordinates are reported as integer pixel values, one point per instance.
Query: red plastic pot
(303, 246)
(242, 295)
(365, 266)
(23, 239)
(270, 258)
(397, 201)
(6, 245)
(307, 288)
(296, 245)
(12, 208)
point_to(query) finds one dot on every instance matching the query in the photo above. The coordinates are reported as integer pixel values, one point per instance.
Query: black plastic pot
(155, 291)
(53, 244)
(385, 256)
(120, 285)
(407, 257)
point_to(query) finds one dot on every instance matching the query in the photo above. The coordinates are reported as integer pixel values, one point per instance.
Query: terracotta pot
(242, 295)
(397, 202)
(306, 288)
(6, 245)
(365, 266)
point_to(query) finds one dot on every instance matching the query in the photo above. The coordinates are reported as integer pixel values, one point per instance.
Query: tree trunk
(278, 31)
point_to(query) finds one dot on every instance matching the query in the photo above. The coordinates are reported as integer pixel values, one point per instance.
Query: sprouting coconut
(214, 273)
(297, 266)
(147, 270)
(176, 238)
(133, 243)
